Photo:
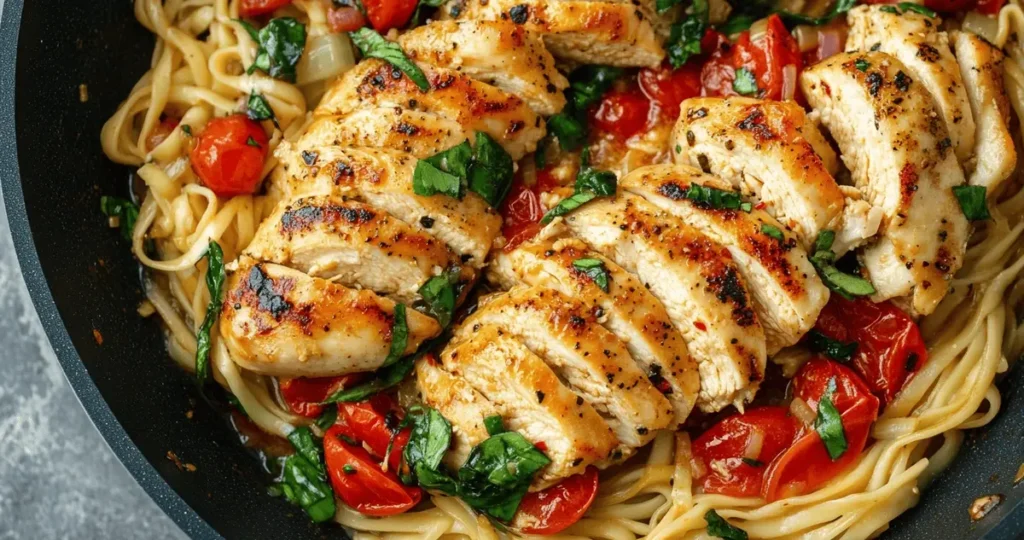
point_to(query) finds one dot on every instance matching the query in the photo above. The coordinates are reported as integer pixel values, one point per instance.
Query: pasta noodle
(197, 73)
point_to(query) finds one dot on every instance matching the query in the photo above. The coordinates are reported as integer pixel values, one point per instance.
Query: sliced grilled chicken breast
(981, 66)
(696, 280)
(279, 321)
(383, 179)
(915, 40)
(497, 52)
(589, 358)
(352, 244)
(531, 400)
(459, 403)
(899, 155)
(418, 133)
(583, 31)
(787, 292)
(764, 149)
(475, 105)
(627, 309)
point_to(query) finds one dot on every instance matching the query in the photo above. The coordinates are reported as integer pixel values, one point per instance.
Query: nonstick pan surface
(83, 279)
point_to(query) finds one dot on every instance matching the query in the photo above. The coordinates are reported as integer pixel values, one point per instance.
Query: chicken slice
(475, 105)
(352, 244)
(531, 400)
(459, 403)
(765, 150)
(981, 66)
(582, 31)
(787, 292)
(696, 280)
(383, 179)
(418, 133)
(899, 156)
(589, 358)
(628, 310)
(915, 40)
(498, 52)
(279, 321)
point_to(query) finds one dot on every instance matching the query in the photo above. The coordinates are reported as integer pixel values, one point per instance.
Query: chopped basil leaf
(305, 477)
(126, 212)
(747, 207)
(889, 9)
(492, 170)
(736, 24)
(438, 296)
(186, 129)
(214, 283)
(567, 205)
(664, 5)
(595, 270)
(839, 8)
(832, 348)
(720, 528)
(498, 473)
(717, 199)
(829, 424)
(383, 378)
(972, 202)
(257, 108)
(281, 43)
(753, 462)
(348, 469)
(684, 40)
(540, 156)
(428, 180)
(917, 8)
(824, 242)
(429, 439)
(570, 131)
(862, 64)
(590, 184)
(438, 479)
(745, 84)
(252, 142)
(399, 336)
(373, 45)
(823, 259)
(455, 160)
(494, 425)
(302, 440)
(587, 85)
(327, 418)
(773, 231)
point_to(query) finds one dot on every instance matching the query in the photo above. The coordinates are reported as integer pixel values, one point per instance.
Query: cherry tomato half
(766, 57)
(360, 482)
(304, 395)
(372, 422)
(889, 343)
(254, 8)
(229, 154)
(345, 19)
(622, 113)
(387, 14)
(552, 510)
(521, 212)
(667, 88)
(990, 7)
(720, 450)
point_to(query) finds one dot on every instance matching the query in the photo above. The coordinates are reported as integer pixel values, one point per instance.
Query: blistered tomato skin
(552, 510)
(229, 155)
(621, 113)
(357, 478)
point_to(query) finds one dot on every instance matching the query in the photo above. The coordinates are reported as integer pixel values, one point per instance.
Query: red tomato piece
(387, 14)
(766, 57)
(720, 450)
(949, 6)
(552, 510)
(521, 212)
(371, 422)
(622, 113)
(254, 8)
(304, 395)
(889, 344)
(229, 154)
(345, 19)
(361, 483)
(812, 379)
(667, 88)
(990, 7)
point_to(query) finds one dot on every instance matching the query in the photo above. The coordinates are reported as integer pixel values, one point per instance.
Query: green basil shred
(774, 232)
(257, 108)
(684, 40)
(829, 424)
(720, 528)
(745, 83)
(590, 184)
(494, 425)
(429, 180)
(587, 85)
(373, 45)
(485, 169)
(384, 378)
(399, 336)
(823, 259)
(280, 44)
(595, 270)
(973, 202)
(714, 198)
(438, 296)
(214, 284)
(304, 480)
(832, 348)
(126, 212)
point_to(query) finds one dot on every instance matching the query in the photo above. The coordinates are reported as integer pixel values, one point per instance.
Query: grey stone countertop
(58, 477)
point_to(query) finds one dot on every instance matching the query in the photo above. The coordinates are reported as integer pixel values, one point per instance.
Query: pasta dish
(585, 268)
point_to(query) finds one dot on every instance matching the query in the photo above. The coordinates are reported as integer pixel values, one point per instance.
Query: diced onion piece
(326, 57)
(146, 309)
(830, 42)
(807, 37)
(788, 82)
(983, 25)
(682, 492)
(697, 468)
(754, 444)
(802, 411)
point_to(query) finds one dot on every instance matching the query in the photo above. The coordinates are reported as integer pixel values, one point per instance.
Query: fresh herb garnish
(714, 198)
(720, 528)
(832, 348)
(327, 418)
(972, 202)
(757, 464)
(429, 439)
(281, 43)
(823, 259)
(305, 477)
(428, 180)
(684, 40)
(590, 184)
(399, 336)
(745, 84)
(383, 378)
(257, 108)
(373, 45)
(126, 212)
(494, 425)
(889, 9)
(490, 175)
(438, 296)
(485, 169)
(774, 232)
(587, 85)
(252, 142)
(829, 424)
(862, 64)
(348, 469)
(595, 270)
(917, 8)
(186, 129)
(570, 130)
(214, 283)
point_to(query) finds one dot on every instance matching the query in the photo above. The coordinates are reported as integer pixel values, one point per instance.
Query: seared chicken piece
(696, 280)
(582, 31)
(418, 133)
(770, 152)
(459, 403)
(279, 321)
(383, 179)
(352, 244)
(498, 52)
(453, 96)
(981, 66)
(589, 358)
(628, 310)
(787, 292)
(531, 400)
(904, 165)
(924, 52)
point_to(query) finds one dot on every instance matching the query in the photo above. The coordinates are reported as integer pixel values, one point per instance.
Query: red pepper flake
(760, 206)
(700, 326)
(541, 445)
(97, 336)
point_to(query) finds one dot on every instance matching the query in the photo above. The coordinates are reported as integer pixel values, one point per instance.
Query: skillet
(85, 284)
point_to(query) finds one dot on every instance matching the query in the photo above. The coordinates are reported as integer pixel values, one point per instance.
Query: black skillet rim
(71, 363)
